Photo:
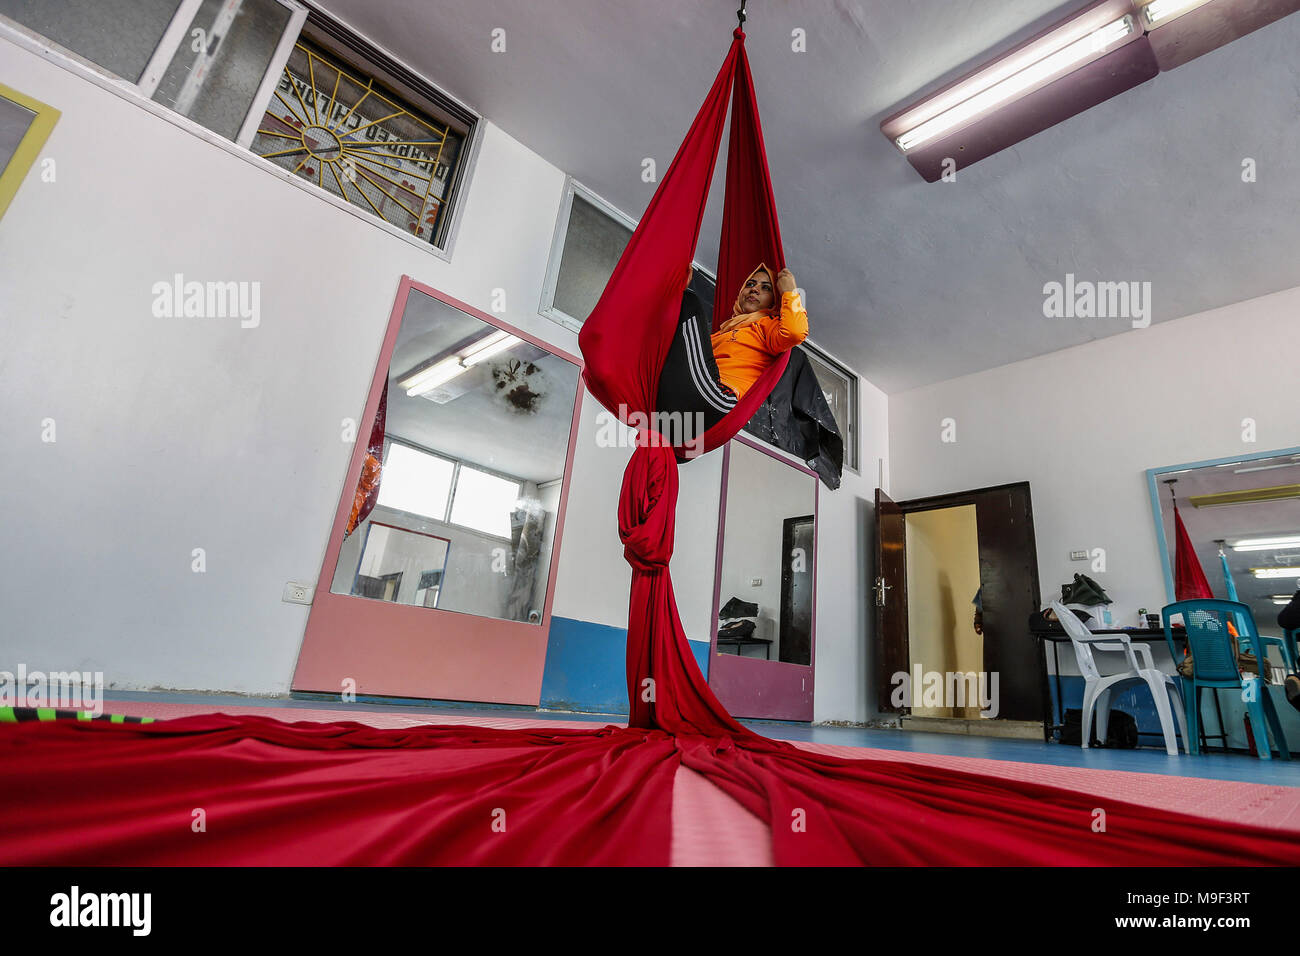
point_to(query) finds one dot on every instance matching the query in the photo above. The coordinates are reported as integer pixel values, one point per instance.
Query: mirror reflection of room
(766, 583)
(473, 436)
(1243, 521)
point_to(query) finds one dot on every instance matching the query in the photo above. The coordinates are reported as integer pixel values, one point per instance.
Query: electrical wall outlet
(1078, 555)
(755, 582)
(298, 593)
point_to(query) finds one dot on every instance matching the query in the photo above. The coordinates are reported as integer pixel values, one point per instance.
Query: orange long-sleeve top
(745, 353)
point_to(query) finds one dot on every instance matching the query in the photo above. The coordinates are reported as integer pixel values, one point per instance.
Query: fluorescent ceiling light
(1014, 77)
(1286, 464)
(430, 378)
(1162, 11)
(1275, 572)
(1267, 544)
(440, 373)
(494, 343)
(1246, 496)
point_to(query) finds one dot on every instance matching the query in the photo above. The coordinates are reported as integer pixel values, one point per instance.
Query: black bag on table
(737, 629)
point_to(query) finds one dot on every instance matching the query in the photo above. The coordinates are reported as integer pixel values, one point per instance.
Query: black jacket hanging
(796, 418)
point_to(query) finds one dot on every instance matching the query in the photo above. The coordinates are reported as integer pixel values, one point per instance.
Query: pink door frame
(395, 650)
(749, 687)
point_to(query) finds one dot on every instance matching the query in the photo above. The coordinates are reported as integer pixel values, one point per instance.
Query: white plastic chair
(1097, 688)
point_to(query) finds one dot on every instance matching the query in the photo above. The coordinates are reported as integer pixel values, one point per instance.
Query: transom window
(292, 85)
(338, 129)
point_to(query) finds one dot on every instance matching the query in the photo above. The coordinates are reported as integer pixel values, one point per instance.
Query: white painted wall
(1082, 426)
(177, 434)
(844, 682)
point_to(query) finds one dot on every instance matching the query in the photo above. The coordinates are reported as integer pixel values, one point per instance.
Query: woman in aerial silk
(705, 375)
(218, 789)
(767, 319)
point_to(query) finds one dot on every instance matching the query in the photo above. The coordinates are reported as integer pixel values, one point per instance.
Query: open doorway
(939, 561)
(943, 584)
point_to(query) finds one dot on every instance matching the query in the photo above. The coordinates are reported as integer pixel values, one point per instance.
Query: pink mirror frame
(376, 648)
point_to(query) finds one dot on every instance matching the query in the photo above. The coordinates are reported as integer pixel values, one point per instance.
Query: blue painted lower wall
(586, 667)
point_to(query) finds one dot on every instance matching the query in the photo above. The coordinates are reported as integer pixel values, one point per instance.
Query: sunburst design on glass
(345, 135)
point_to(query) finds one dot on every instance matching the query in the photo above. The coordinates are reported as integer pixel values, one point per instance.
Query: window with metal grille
(341, 127)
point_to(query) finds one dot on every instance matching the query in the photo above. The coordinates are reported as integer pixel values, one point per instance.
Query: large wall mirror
(475, 439)
(1243, 518)
(765, 634)
(452, 504)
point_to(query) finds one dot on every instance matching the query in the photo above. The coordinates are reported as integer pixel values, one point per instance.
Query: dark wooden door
(797, 551)
(1009, 595)
(890, 589)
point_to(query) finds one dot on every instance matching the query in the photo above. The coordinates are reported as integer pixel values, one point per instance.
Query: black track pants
(690, 393)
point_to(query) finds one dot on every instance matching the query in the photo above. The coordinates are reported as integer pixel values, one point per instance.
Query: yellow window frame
(29, 147)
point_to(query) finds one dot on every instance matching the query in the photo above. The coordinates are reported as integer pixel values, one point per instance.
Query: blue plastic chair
(1286, 645)
(1214, 666)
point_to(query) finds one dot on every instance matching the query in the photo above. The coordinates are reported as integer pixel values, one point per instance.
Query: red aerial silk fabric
(1190, 583)
(267, 792)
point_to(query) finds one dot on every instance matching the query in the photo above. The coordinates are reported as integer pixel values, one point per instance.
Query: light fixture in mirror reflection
(768, 551)
(460, 516)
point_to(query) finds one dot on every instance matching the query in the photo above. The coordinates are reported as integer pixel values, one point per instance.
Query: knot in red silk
(647, 506)
(738, 33)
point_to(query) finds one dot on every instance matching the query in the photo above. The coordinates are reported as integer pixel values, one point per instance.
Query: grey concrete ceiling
(909, 282)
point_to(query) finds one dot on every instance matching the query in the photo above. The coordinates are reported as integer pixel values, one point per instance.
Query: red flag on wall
(1189, 580)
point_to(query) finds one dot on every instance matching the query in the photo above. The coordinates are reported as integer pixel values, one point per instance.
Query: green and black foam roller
(18, 715)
